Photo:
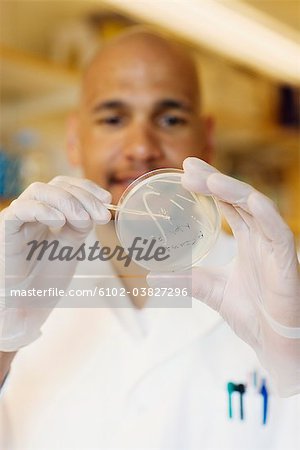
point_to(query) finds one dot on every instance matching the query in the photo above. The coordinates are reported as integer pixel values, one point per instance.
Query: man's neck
(132, 276)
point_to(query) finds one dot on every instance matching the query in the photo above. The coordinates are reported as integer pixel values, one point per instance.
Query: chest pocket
(253, 417)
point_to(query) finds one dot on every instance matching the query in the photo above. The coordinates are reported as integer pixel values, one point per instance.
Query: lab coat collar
(167, 329)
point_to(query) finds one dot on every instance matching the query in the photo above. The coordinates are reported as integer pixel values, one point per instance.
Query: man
(141, 377)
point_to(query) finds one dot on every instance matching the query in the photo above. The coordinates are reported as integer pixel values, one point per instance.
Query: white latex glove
(64, 209)
(258, 294)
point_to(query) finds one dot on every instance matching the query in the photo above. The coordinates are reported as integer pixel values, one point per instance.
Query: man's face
(137, 114)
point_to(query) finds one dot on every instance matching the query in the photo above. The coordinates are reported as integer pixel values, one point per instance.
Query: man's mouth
(126, 179)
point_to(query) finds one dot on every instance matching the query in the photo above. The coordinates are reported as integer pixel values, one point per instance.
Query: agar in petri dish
(186, 224)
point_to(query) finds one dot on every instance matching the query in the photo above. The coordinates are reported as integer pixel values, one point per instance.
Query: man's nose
(142, 143)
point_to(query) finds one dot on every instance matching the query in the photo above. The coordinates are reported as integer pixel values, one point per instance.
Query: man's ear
(72, 141)
(208, 127)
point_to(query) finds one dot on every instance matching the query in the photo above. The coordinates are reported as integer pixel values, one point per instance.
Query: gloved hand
(64, 210)
(258, 294)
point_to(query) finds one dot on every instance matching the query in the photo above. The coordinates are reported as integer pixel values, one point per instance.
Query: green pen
(230, 390)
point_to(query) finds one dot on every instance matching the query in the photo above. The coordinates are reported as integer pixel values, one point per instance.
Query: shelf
(37, 75)
(31, 86)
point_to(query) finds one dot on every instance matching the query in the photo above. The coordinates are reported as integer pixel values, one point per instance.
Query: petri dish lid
(183, 229)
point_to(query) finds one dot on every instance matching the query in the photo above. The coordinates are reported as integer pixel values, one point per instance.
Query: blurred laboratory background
(248, 52)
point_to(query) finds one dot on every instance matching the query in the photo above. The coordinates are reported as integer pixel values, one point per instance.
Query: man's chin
(117, 190)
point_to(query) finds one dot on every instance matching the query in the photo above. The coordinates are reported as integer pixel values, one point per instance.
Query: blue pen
(265, 394)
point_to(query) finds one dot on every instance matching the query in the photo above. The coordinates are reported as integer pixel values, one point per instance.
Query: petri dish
(178, 228)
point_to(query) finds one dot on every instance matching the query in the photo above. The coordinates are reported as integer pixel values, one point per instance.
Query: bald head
(144, 51)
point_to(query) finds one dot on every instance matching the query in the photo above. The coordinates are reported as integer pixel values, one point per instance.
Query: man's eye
(111, 120)
(172, 121)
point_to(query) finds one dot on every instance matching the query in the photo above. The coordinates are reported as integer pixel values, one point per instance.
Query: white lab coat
(120, 378)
